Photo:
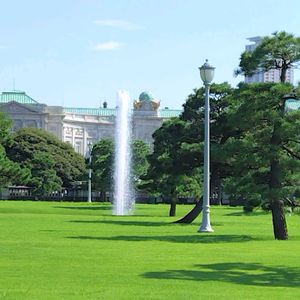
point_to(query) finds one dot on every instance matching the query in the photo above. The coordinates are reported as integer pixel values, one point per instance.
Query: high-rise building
(272, 75)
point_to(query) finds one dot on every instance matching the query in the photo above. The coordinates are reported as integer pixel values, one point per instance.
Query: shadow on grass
(240, 273)
(100, 207)
(123, 222)
(85, 207)
(197, 238)
(134, 223)
(250, 214)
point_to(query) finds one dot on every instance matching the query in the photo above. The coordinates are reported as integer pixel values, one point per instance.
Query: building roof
(169, 113)
(254, 39)
(23, 98)
(164, 113)
(17, 96)
(292, 104)
(90, 111)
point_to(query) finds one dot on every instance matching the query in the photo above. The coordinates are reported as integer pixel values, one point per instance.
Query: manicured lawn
(78, 251)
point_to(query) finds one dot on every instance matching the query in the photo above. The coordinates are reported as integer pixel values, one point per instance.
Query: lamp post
(206, 74)
(90, 146)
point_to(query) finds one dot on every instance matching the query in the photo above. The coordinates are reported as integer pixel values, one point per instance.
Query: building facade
(81, 126)
(272, 75)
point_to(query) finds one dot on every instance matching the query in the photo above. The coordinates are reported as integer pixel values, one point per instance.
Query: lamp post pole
(90, 174)
(206, 73)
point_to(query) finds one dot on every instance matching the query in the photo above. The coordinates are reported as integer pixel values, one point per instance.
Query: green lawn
(78, 251)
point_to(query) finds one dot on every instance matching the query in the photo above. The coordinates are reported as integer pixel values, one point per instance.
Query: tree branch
(295, 141)
(291, 152)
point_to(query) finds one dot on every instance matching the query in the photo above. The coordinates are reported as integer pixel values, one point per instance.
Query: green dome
(146, 97)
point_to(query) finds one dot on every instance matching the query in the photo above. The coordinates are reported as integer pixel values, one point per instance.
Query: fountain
(123, 192)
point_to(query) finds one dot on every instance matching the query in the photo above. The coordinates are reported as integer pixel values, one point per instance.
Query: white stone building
(80, 126)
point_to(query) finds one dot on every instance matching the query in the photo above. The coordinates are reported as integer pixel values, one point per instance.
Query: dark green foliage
(178, 145)
(102, 166)
(222, 106)
(44, 178)
(10, 172)
(252, 201)
(265, 158)
(52, 163)
(140, 151)
(165, 175)
(5, 125)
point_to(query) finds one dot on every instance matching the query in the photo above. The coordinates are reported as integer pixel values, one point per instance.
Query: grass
(78, 251)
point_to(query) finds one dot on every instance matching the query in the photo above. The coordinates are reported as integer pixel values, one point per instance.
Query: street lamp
(90, 147)
(207, 75)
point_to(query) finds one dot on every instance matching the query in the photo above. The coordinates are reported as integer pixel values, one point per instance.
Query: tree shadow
(123, 222)
(246, 214)
(85, 207)
(134, 223)
(193, 239)
(239, 273)
(104, 208)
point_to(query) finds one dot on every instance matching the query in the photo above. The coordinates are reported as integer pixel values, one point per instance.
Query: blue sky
(81, 52)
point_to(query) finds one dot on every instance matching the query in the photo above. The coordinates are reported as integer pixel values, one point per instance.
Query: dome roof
(146, 97)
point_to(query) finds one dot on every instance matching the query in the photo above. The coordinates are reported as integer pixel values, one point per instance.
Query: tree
(191, 151)
(164, 174)
(5, 125)
(44, 178)
(222, 105)
(46, 157)
(266, 157)
(178, 145)
(280, 51)
(9, 171)
(102, 166)
(140, 152)
(103, 160)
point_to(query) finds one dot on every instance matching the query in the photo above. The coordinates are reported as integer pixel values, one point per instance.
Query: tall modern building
(269, 76)
(80, 126)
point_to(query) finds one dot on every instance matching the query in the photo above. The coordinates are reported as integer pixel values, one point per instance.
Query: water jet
(123, 191)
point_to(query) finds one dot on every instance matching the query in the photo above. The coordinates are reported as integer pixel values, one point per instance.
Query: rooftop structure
(17, 96)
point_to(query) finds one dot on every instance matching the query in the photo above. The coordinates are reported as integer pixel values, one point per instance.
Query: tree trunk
(102, 196)
(283, 74)
(172, 211)
(279, 222)
(277, 205)
(219, 191)
(193, 214)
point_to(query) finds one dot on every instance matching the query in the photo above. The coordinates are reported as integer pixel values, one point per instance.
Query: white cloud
(120, 24)
(108, 46)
